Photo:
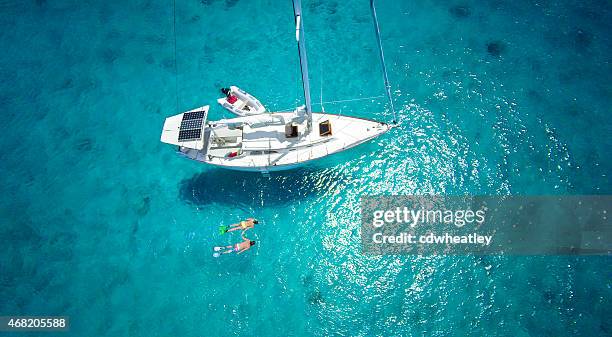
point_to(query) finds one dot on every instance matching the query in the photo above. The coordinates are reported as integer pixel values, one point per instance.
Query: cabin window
(325, 129)
(291, 130)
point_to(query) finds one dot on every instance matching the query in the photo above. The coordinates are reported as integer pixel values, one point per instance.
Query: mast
(382, 60)
(299, 36)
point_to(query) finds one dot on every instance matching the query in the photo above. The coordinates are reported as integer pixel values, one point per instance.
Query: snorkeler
(241, 247)
(242, 225)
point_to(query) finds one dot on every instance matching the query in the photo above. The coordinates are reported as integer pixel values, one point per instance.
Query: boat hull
(261, 169)
(260, 155)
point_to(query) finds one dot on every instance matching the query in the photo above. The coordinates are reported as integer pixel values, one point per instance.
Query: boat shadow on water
(253, 189)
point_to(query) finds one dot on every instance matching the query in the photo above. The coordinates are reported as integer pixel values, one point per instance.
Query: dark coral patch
(149, 59)
(84, 144)
(111, 55)
(230, 3)
(315, 298)
(495, 48)
(145, 206)
(168, 63)
(460, 11)
(67, 84)
(314, 5)
(332, 8)
(534, 95)
(582, 39)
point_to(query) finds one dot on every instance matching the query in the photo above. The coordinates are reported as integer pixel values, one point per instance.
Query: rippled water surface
(103, 223)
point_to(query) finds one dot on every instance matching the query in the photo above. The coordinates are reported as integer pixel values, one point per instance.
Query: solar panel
(191, 134)
(193, 115)
(191, 126)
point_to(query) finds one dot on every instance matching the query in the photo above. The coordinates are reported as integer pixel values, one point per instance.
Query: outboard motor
(226, 91)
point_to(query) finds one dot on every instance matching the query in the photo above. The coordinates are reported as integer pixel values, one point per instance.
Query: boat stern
(187, 129)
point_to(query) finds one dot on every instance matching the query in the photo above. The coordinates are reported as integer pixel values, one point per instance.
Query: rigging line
(382, 60)
(297, 89)
(339, 101)
(354, 99)
(175, 63)
(321, 86)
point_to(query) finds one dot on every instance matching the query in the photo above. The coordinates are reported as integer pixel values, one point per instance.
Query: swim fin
(217, 249)
(216, 255)
(223, 229)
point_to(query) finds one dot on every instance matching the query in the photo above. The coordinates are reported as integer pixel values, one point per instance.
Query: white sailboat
(271, 141)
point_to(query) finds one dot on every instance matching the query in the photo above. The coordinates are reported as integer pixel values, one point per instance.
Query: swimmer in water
(242, 225)
(238, 248)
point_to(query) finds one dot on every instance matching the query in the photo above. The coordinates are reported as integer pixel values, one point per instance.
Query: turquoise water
(103, 223)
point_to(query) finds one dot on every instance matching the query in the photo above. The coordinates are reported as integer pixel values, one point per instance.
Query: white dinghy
(271, 141)
(240, 102)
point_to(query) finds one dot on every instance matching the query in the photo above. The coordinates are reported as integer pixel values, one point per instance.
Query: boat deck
(263, 144)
